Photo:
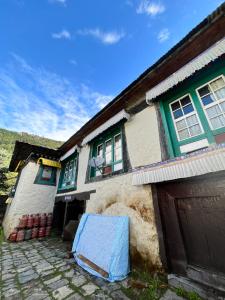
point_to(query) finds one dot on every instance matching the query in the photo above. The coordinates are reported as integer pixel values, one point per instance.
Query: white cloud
(163, 35)
(41, 102)
(63, 34)
(108, 38)
(63, 2)
(150, 8)
(73, 62)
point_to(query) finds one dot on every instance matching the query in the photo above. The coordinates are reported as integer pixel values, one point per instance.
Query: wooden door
(193, 221)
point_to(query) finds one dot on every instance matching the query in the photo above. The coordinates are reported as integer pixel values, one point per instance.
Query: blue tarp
(103, 240)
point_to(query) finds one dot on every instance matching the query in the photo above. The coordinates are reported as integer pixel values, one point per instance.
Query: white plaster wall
(29, 198)
(117, 196)
(143, 138)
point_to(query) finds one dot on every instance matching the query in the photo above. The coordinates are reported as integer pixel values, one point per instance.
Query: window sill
(106, 176)
(67, 190)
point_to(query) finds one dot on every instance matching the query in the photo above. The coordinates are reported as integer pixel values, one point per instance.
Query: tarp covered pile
(101, 246)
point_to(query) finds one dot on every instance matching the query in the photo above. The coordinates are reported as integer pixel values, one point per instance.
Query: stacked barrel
(31, 227)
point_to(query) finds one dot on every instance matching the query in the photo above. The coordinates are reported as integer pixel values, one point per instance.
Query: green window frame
(185, 118)
(190, 86)
(68, 174)
(46, 175)
(212, 98)
(110, 147)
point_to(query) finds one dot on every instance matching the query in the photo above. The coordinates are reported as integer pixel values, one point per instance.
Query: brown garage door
(193, 221)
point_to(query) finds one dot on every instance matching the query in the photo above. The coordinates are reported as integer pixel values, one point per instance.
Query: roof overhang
(203, 36)
(49, 162)
(24, 151)
(199, 163)
(70, 152)
(122, 115)
(196, 64)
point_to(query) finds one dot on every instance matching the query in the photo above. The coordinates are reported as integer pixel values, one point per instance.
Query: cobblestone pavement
(39, 270)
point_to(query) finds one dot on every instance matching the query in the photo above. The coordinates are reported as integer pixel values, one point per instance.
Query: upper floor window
(212, 97)
(46, 175)
(68, 173)
(185, 118)
(109, 148)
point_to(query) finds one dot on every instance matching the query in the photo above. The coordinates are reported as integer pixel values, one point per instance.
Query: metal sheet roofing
(211, 54)
(199, 163)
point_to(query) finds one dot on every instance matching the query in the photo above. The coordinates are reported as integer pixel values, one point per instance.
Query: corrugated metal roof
(112, 121)
(202, 162)
(211, 54)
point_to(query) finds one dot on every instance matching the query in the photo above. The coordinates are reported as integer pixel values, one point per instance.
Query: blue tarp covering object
(103, 240)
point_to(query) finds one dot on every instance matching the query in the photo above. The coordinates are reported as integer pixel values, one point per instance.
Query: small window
(212, 97)
(110, 149)
(185, 118)
(46, 175)
(68, 173)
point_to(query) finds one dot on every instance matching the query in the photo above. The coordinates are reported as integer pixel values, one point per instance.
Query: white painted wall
(117, 196)
(29, 198)
(143, 138)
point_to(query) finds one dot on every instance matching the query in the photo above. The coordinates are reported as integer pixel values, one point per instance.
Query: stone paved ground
(39, 269)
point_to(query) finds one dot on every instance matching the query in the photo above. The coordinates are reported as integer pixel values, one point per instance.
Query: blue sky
(61, 61)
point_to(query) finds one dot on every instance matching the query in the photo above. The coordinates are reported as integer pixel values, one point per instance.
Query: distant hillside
(7, 142)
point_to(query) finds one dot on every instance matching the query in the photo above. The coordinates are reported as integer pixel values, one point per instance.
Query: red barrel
(13, 235)
(41, 232)
(48, 230)
(20, 235)
(23, 222)
(34, 233)
(49, 219)
(36, 220)
(30, 221)
(43, 220)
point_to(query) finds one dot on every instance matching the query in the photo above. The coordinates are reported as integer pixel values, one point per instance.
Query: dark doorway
(192, 214)
(67, 213)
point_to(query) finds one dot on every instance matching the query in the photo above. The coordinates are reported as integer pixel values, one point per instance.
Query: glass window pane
(117, 148)
(100, 151)
(47, 173)
(218, 122)
(175, 105)
(108, 152)
(118, 166)
(213, 111)
(218, 83)
(192, 120)
(188, 109)
(181, 124)
(220, 94)
(204, 91)
(183, 134)
(195, 130)
(178, 113)
(208, 99)
(186, 100)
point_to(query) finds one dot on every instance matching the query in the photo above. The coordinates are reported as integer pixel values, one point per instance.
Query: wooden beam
(93, 266)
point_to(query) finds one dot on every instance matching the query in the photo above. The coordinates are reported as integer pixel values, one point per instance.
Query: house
(161, 140)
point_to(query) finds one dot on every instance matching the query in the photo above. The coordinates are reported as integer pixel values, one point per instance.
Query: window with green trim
(212, 98)
(68, 174)
(110, 147)
(185, 118)
(46, 175)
